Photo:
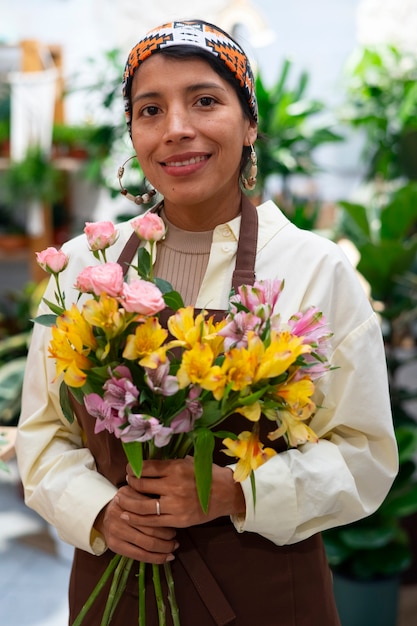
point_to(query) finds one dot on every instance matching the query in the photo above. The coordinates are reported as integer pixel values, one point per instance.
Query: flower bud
(52, 260)
(100, 235)
(149, 227)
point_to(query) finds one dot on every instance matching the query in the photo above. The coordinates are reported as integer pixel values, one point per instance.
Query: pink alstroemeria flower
(119, 391)
(312, 325)
(106, 417)
(100, 235)
(160, 381)
(144, 428)
(52, 260)
(235, 333)
(259, 298)
(184, 421)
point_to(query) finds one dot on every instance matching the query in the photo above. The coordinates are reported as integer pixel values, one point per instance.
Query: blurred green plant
(288, 135)
(15, 333)
(382, 102)
(378, 546)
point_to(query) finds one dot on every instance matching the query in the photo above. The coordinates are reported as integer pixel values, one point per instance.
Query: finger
(143, 547)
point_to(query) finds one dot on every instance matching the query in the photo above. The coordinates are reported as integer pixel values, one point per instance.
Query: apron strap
(244, 273)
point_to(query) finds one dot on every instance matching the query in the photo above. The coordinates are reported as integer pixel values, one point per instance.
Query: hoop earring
(144, 198)
(250, 182)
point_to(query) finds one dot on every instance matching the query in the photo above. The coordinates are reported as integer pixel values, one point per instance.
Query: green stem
(151, 247)
(60, 296)
(158, 594)
(106, 575)
(171, 595)
(142, 594)
(122, 586)
(113, 593)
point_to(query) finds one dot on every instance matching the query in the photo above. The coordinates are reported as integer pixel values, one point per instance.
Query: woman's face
(188, 131)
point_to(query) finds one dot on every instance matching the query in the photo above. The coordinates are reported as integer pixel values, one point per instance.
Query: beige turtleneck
(182, 258)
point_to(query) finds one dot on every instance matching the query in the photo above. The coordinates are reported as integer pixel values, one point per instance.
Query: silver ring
(158, 507)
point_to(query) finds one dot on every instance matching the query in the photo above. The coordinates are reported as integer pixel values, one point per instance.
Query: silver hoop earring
(250, 182)
(144, 198)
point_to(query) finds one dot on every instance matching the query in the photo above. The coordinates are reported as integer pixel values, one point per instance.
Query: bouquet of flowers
(162, 391)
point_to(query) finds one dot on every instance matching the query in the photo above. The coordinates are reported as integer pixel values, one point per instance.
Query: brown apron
(221, 577)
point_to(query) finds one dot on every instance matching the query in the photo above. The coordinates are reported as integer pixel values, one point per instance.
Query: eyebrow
(192, 88)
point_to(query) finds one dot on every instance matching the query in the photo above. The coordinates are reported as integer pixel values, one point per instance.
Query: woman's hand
(127, 524)
(173, 482)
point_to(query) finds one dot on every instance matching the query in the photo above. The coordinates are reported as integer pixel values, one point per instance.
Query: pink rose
(100, 235)
(141, 296)
(105, 278)
(52, 260)
(149, 227)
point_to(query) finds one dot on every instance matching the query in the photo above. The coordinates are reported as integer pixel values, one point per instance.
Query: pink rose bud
(149, 227)
(52, 260)
(143, 297)
(100, 235)
(105, 278)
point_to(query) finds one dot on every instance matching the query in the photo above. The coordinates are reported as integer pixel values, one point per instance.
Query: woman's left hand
(173, 482)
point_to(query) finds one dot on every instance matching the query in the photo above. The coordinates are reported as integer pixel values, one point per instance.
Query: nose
(178, 124)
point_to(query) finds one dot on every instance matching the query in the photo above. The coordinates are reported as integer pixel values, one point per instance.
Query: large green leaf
(399, 216)
(382, 263)
(367, 536)
(11, 382)
(203, 462)
(134, 454)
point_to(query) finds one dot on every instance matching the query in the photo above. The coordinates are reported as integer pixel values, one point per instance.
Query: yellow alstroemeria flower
(252, 412)
(183, 326)
(146, 344)
(69, 360)
(190, 329)
(211, 335)
(106, 314)
(250, 452)
(77, 329)
(236, 370)
(297, 395)
(296, 431)
(197, 367)
(282, 352)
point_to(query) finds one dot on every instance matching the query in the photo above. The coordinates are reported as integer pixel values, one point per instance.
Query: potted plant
(371, 555)
(34, 179)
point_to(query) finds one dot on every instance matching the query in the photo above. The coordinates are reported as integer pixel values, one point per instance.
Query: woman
(192, 114)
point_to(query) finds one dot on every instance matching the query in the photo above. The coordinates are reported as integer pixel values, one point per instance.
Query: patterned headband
(198, 34)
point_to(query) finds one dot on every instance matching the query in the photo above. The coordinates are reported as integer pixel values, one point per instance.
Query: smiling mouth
(191, 161)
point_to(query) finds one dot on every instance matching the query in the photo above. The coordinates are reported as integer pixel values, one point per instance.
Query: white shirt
(301, 491)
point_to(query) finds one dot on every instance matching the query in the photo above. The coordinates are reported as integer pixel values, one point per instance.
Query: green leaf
(54, 306)
(203, 461)
(211, 414)
(78, 393)
(173, 300)
(46, 320)
(163, 285)
(144, 263)
(134, 454)
(65, 403)
(359, 215)
(359, 537)
(253, 486)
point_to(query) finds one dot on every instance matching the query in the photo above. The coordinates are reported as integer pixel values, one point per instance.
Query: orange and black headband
(201, 35)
